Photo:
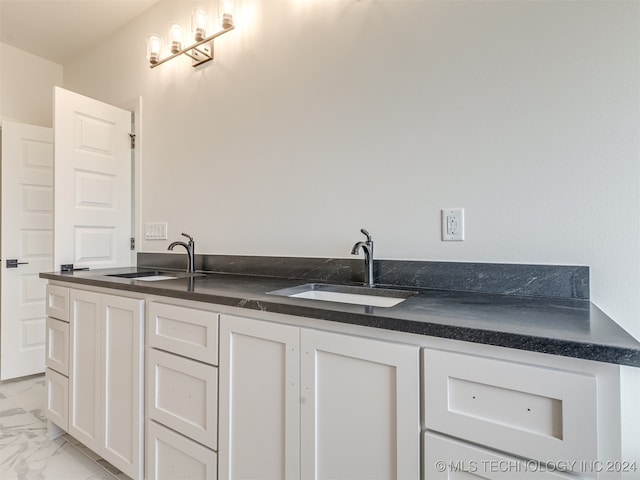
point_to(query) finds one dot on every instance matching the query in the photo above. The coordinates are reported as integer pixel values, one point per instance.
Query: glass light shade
(226, 13)
(154, 48)
(199, 22)
(175, 36)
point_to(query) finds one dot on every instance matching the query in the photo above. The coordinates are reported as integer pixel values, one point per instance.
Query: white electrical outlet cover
(452, 224)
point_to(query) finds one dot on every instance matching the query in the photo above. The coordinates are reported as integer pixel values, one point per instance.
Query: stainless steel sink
(145, 276)
(375, 297)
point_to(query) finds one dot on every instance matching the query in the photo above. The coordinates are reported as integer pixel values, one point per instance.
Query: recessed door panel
(37, 199)
(36, 243)
(94, 135)
(94, 245)
(95, 190)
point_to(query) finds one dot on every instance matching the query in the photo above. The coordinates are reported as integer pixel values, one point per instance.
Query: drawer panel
(58, 302)
(186, 331)
(450, 459)
(183, 395)
(172, 456)
(533, 412)
(57, 352)
(57, 405)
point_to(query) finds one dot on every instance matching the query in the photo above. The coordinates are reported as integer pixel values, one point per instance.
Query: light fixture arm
(199, 54)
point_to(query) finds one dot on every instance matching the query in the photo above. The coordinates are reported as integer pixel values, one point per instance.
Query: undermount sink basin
(375, 297)
(145, 276)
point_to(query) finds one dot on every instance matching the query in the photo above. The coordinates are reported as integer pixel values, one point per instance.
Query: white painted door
(27, 236)
(92, 182)
(360, 412)
(259, 400)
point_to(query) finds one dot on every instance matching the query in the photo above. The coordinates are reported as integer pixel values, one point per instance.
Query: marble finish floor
(26, 453)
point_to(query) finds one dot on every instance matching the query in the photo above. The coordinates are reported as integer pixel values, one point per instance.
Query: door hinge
(132, 136)
(133, 243)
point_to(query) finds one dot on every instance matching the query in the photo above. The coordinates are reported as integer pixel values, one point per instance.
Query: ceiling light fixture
(201, 51)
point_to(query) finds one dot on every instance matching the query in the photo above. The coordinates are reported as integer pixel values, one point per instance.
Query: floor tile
(31, 398)
(27, 453)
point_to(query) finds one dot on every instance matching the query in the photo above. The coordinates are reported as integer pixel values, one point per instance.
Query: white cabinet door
(259, 400)
(84, 368)
(57, 351)
(170, 456)
(298, 403)
(360, 414)
(529, 411)
(105, 377)
(122, 383)
(183, 395)
(446, 458)
(57, 408)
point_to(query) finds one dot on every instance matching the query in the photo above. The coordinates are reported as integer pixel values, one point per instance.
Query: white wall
(26, 86)
(319, 117)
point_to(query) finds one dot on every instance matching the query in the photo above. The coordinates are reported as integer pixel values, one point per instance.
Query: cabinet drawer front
(534, 412)
(172, 456)
(57, 387)
(58, 302)
(183, 395)
(449, 459)
(189, 332)
(57, 353)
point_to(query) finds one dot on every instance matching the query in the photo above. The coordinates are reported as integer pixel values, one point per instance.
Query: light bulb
(154, 47)
(199, 21)
(175, 36)
(226, 19)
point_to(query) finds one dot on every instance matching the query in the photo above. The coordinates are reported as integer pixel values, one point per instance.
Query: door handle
(14, 263)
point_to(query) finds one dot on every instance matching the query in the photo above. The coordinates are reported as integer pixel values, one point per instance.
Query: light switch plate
(452, 224)
(155, 231)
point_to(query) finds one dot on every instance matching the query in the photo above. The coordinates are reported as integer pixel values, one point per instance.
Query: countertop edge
(561, 347)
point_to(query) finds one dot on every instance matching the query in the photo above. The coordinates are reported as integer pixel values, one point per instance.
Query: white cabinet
(529, 411)
(57, 359)
(259, 400)
(85, 377)
(183, 395)
(360, 407)
(57, 346)
(57, 304)
(106, 377)
(57, 402)
(176, 457)
(300, 403)
(182, 392)
(450, 459)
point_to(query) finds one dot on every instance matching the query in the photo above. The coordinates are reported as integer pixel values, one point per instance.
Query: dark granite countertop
(559, 326)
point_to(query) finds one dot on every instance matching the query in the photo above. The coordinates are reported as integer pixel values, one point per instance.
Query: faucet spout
(191, 251)
(367, 248)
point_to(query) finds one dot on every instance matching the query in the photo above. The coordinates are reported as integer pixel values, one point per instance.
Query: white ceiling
(58, 30)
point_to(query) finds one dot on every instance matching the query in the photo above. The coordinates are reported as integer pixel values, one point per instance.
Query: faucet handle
(188, 236)
(366, 234)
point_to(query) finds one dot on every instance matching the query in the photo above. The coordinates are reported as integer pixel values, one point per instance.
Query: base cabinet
(300, 403)
(450, 459)
(106, 377)
(57, 403)
(171, 456)
(259, 400)
(182, 395)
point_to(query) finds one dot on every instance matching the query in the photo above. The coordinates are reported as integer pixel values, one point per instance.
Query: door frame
(134, 105)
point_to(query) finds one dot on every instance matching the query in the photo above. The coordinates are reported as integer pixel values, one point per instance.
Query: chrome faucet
(367, 248)
(191, 251)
